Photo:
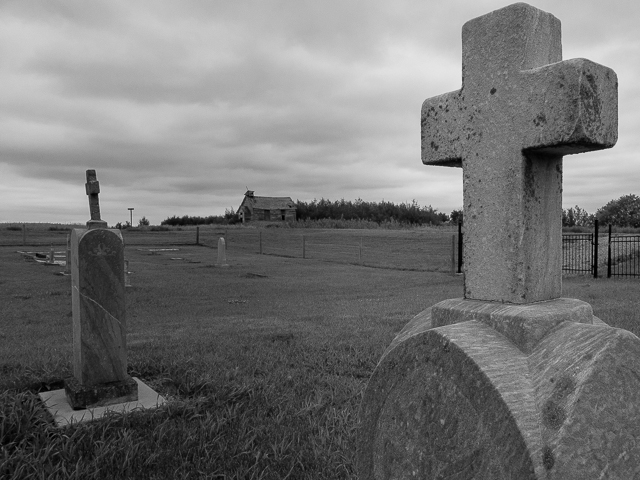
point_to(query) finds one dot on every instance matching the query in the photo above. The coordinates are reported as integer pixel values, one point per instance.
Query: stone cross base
(90, 396)
(472, 389)
(96, 224)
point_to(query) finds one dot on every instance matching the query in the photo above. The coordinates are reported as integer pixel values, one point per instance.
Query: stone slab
(90, 396)
(63, 414)
(525, 325)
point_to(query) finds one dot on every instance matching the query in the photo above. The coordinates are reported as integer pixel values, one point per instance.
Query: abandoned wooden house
(255, 208)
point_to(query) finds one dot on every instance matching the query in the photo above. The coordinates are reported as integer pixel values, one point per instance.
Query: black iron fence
(584, 253)
(623, 255)
(578, 252)
(591, 253)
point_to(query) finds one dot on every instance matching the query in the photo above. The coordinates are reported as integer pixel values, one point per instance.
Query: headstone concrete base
(64, 414)
(472, 389)
(87, 396)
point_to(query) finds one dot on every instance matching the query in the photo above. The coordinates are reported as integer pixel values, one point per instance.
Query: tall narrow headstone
(511, 381)
(99, 321)
(222, 253)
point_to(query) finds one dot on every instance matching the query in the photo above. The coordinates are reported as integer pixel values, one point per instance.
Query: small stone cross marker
(520, 109)
(93, 189)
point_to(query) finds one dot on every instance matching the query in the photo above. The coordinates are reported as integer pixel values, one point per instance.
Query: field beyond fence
(421, 249)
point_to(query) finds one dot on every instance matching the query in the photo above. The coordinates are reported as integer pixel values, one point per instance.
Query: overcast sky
(181, 105)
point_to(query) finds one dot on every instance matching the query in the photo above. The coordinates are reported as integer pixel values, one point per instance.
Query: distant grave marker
(510, 381)
(222, 253)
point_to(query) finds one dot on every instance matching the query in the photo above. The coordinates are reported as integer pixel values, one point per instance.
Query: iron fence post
(459, 247)
(595, 250)
(609, 254)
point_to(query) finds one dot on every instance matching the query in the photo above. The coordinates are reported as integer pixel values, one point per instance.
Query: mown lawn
(264, 362)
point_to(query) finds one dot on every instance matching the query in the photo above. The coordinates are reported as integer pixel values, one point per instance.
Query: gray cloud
(181, 105)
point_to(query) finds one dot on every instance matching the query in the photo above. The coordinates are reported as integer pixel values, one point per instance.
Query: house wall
(272, 215)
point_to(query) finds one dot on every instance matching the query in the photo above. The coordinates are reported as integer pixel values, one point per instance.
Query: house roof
(273, 203)
(268, 203)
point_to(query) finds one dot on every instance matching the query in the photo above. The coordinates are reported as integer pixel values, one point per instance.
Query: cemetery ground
(263, 363)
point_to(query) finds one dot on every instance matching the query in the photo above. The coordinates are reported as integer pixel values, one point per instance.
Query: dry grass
(264, 363)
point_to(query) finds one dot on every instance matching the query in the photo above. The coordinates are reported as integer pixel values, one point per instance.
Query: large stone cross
(92, 188)
(520, 109)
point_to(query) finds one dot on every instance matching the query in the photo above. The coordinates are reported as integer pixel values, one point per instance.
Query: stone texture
(99, 321)
(97, 395)
(524, 325)
(519, 110)
(462, 401)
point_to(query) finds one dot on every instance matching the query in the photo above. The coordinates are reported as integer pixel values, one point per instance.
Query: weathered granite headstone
(98, 305)
(222, 253)
(511, 381)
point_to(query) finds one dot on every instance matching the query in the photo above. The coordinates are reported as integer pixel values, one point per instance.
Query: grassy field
(264, 362)
(422, 249)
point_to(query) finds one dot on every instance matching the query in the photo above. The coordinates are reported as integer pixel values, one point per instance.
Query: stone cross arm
(564, 108)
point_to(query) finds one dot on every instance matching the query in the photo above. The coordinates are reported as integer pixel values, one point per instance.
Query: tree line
(229, 218)
(622, 212)
(379, 212)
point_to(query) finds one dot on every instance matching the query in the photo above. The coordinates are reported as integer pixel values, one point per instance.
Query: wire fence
(423, 249)
(420, 249)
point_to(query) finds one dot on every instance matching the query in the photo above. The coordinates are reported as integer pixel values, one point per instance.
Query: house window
(283, 214)
(267, 214)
